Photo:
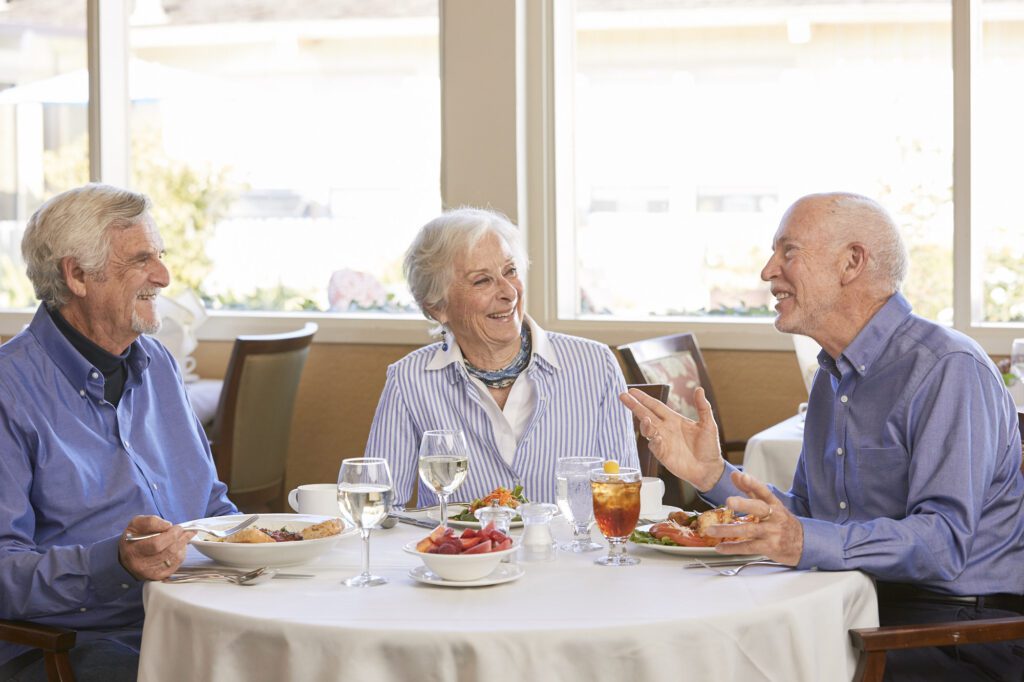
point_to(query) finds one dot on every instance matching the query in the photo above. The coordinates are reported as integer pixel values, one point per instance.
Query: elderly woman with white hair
(523, 397)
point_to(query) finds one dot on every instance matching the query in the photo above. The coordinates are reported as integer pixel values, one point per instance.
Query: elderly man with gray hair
(910, 469)
(97, 437)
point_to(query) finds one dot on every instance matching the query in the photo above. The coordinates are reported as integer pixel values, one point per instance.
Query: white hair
(76, 224)
(864, 219)
(430, 259)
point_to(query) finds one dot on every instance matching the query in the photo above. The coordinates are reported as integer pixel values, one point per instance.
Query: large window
(998, 150)
(696, 127)
(291, 150)
(647, 147)
(44, 96)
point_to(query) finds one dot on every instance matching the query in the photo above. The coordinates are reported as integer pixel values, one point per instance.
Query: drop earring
(444, 340)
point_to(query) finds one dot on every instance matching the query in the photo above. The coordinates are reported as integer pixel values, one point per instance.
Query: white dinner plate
(502, 574)
(661, 514)
(679, 549)
(243, 555)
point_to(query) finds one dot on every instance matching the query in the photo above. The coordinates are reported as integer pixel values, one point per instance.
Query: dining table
(771, 455)
(563, 619)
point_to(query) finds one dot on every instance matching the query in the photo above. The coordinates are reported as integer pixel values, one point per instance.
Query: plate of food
(274, 540)
(463, 515)
(683, 532)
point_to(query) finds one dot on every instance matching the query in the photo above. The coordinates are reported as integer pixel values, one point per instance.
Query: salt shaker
(501, 516)
(538, 543)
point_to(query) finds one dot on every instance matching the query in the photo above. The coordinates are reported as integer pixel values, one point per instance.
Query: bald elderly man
(910, 468)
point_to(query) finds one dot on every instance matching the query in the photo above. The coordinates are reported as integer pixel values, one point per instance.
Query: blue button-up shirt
(910, 468)
(74, 470)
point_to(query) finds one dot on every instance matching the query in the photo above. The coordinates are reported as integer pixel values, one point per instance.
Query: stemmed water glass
(617, 509)
(575, 500)
(444, 464)
(365, 493)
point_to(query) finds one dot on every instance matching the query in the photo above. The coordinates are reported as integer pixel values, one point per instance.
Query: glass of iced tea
(616, 510)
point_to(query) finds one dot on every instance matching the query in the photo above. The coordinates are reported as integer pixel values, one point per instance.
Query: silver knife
(194, 572)
(724, 562)
(422, 523)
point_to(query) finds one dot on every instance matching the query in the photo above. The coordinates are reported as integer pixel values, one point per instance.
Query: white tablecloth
(772, 454)
(564, 620)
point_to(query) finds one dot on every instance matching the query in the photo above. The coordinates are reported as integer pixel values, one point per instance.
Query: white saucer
(502, 574)
(661, 514)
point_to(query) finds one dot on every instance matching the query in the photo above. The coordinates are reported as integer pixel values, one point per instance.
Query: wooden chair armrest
(42, 637)
(938, 634)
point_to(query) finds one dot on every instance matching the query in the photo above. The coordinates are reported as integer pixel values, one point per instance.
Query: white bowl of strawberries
(471, 555)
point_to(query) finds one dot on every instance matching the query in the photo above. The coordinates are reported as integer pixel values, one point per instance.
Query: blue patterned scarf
(501, 378)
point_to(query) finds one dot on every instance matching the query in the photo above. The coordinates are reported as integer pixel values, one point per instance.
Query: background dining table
(772, 455)
(566, 619)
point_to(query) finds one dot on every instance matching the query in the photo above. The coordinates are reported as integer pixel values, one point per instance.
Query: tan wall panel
(342, 382)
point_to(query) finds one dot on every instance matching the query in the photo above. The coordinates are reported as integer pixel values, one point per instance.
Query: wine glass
(444, 464)
(617, 509)
(574, 498)
(365, 493)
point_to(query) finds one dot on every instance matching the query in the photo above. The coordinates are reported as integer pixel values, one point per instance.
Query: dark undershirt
(113, 367)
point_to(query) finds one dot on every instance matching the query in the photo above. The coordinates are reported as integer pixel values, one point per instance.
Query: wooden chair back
(254, 415)
(675, 360)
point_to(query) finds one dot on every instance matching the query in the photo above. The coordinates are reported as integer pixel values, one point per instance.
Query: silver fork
(737, 569)
(217, 533)
(254, 577)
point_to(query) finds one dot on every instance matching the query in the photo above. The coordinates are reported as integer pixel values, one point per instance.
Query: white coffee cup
(320, 499)
(652, 490)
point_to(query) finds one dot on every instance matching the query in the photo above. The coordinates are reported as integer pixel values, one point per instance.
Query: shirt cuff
(109, 578)
(823, 546)
(723, 488)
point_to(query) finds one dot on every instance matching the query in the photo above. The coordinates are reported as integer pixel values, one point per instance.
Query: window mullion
(108, 91)
(967, 271)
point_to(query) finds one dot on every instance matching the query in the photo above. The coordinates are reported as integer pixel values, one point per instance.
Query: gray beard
(141, 326)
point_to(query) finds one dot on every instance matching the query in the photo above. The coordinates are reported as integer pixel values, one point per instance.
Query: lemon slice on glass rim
(610, 466)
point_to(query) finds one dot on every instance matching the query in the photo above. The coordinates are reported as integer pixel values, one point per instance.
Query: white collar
(541, 348)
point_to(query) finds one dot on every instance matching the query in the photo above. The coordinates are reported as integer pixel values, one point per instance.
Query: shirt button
(95, 375)
(843, 399)
(842, 505)
(126, 444)
(154, 486)
(82, 609)
(862, 368)
(124, 586)
(82, 393)
(839, 451)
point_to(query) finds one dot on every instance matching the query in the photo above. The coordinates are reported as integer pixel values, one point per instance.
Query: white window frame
(511, 150)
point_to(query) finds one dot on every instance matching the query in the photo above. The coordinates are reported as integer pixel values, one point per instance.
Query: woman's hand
(779, 535)
(689, 449)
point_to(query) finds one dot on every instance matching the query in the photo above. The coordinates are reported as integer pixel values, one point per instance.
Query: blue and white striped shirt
(576, 412)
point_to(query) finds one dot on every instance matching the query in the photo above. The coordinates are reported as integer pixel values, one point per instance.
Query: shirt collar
(71, 363)
(872, 339)
(542, 350)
